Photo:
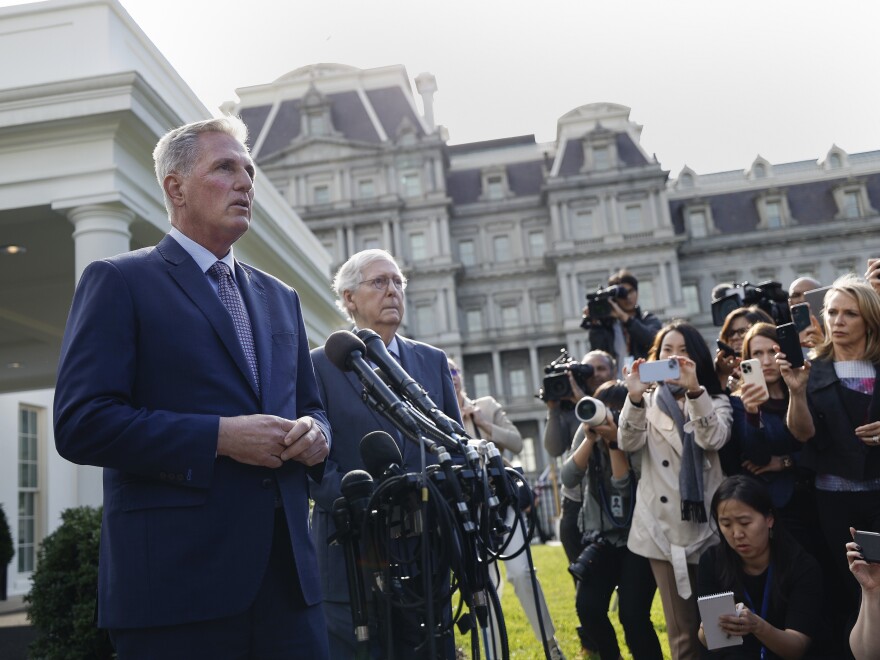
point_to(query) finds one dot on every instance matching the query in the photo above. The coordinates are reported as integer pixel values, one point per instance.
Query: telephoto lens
(590, 411)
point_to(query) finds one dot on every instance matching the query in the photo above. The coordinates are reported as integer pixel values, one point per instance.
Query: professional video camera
(599, 303)
(768, 296)
(556, 386)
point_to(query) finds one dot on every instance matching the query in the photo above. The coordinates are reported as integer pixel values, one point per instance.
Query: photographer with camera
(616, 323)
(603, 473)
(561, 389)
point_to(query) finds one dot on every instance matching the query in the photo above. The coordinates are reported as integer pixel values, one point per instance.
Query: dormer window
(835, 159)
(494, 182)
(698, 220)
(773, 211)
(600, 150)
(761, 169)
(601, 158)
(316, 120)
(852, 201)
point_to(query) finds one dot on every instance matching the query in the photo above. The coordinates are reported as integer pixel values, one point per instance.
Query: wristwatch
(787, 463)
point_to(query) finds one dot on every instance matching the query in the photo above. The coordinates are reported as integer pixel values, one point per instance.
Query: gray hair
(178, 150)
(349, 274)
(612, 363)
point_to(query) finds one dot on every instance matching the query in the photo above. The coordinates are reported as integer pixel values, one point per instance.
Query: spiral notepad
(711, 607)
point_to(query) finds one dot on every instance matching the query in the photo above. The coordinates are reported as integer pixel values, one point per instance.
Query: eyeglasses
(381, 282)
(741, 332)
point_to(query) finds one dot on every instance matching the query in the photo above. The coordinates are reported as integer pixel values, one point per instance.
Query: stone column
(100, 231)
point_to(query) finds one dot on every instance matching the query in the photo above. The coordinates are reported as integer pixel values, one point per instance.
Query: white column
(341, 248)
(554, 222)
(386, 235)
(496, 367)
(99, 231)
(444, 236)
(534, 367)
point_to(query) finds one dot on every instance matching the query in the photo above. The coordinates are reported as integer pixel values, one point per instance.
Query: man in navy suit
(186, 375)
(370, 290)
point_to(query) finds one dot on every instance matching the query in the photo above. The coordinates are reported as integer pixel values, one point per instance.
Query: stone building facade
(502, 239)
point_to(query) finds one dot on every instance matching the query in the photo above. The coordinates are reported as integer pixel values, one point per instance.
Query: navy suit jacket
(149, 363)
(351, 419)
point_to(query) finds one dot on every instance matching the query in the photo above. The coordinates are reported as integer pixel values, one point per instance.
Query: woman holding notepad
(775, 584)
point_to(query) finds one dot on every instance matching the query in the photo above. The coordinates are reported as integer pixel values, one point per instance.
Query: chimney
(426, 84)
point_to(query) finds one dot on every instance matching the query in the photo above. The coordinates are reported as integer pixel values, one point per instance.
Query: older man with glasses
(370, 291)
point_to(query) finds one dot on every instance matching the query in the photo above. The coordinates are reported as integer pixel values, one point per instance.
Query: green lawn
(552, 568)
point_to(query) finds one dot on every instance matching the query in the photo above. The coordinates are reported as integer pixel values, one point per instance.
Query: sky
(714, 83)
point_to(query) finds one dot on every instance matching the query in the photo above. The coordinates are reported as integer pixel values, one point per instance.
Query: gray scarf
(690, 477)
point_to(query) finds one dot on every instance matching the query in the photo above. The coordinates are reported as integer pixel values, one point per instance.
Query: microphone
(346, 352)
(357, 488)
(381, 455)
(378, 353)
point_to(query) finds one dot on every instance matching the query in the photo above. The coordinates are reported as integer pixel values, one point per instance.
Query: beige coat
(658, 532)
(504, 434)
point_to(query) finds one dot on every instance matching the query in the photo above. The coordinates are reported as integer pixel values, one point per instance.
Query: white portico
(84, 97)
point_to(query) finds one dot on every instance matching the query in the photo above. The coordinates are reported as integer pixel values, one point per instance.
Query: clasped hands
(271, 441)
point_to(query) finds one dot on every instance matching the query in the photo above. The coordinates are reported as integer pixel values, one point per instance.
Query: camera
(555, 386)
(768, 296)
(599, 303)
(581, 567)
(590, 411)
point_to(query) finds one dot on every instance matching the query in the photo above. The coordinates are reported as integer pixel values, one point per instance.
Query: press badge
(617, 506)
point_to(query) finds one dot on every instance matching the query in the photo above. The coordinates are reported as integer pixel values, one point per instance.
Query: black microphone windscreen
(356, 484)
(378, 451)
(339, 347)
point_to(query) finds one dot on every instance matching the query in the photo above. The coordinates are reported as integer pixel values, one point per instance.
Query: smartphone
(659, 370)
(800, 316)
(790, 344)
(727, 349)
(753, 373)
(869, 542)
(816, 298)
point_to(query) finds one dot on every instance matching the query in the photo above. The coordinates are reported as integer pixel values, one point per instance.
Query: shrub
(7, 550)
(61, 604)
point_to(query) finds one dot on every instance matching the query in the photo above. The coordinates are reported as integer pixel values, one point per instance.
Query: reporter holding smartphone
(766, 447)
(834, 409)
(864, 640)
(735, 327)
(676, 430)
(598, 468)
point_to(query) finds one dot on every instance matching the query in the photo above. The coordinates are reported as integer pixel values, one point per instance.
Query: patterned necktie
(230, 296)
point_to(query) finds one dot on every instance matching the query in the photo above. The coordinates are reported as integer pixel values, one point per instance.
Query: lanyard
(765, 605)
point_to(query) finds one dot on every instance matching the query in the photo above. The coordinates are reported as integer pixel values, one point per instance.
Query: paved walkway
(15, 630)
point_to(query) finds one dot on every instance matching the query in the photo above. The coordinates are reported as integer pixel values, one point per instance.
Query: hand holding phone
(727, 349)
(790, 343)
(659, 370)
(754, 374)
(869, 542)
(801, 316)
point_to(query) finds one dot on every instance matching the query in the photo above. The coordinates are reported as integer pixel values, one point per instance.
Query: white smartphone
(659, 370)
(753, 373)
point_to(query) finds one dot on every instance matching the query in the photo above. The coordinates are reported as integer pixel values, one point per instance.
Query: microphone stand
(346, 536)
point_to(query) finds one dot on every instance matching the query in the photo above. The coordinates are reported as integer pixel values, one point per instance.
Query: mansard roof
(811, 203)
(628, 153)
(351, 113)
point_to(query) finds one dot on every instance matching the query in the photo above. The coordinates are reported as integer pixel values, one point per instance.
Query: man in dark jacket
(627, 332)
